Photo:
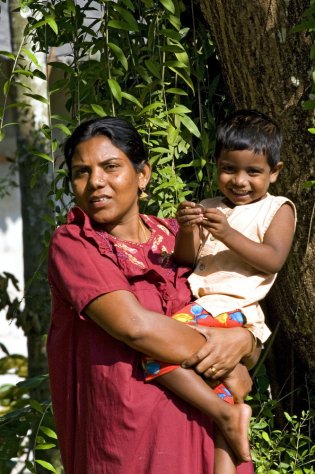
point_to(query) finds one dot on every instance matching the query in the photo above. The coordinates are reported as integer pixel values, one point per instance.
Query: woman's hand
(223, 350)
(239, 382)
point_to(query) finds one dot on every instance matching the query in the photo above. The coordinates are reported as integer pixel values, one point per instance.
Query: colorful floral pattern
(195, 314)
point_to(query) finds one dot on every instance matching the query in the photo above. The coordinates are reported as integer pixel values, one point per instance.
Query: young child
(237, 244)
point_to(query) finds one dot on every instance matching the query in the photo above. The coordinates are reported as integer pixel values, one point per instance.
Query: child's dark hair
(121, 133)
(250, 130)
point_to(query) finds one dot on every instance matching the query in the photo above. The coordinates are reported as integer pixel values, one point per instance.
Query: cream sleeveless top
(221, 280)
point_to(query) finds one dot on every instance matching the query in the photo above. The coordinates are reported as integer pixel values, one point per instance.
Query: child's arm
(189, 216)
(268, 256)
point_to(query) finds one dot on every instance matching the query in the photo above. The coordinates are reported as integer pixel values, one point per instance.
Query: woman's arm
(122, 316)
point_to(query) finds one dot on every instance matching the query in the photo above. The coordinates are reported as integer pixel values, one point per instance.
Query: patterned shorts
(193, 314)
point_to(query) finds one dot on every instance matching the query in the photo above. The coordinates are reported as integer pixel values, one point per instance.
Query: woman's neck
(134, 230)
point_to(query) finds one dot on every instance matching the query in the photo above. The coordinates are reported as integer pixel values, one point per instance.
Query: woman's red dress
(108, 420)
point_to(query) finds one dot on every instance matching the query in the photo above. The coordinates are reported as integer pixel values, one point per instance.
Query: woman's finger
(198, 356)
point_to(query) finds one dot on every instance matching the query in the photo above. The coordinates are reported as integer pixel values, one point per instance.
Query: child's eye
(253, 171)
(227, 169)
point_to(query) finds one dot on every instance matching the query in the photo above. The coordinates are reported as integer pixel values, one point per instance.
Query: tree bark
(267, 67)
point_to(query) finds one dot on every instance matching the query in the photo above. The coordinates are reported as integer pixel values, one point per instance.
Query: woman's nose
(97, 180)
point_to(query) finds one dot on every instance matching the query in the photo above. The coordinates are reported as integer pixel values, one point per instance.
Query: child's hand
(238, 382)
(189, 214)
(216, 222)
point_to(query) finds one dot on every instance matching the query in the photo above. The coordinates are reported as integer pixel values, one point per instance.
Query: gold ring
(213, 370)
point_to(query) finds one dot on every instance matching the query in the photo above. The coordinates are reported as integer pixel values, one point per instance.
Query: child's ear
(274, 173)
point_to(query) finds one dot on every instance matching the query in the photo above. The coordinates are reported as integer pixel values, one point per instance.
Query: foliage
(27, 429)
(132, 59)
(276, 451)
(282, 451)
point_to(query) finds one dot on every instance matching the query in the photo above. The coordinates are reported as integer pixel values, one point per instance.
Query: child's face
(244, 177)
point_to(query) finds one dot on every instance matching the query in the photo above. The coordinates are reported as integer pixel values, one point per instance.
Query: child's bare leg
(224, 459)
(232, 420)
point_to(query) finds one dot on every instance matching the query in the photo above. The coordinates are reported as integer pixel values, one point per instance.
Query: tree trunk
(267, 67)
(34, 207)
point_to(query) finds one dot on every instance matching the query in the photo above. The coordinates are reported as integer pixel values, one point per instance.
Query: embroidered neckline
(118, 242)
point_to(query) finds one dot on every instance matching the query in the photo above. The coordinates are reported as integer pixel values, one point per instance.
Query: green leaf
(170, 34)
(6, 87)
(265, 436)
(119, 54)
(38, 97)
(131, 98)
(311, 130)
(98, 109)
(22, 72)
(2, 135)
(63, 128)
(36, 405)
(309, 105)
(40, 74)
(53, 25)
(183, 58)
(154, 67)
(127, 16)
(190, 125)
(176, 90)
(179, 109)
(7, 54)
(119, 25)
(184, 76)
(43, 155)
(168, 5)
(46, 465)
(31, 56)
(45, 446)
(175, 64)
(115, 89)
(175, 21)
(154, 105)
(48, 432)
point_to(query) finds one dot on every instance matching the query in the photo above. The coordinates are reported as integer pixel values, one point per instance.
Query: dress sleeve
(79, 273)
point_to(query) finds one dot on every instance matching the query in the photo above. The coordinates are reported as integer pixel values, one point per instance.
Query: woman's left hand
(222, 351)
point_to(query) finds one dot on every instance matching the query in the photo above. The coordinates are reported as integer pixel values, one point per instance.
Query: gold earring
(143, 195)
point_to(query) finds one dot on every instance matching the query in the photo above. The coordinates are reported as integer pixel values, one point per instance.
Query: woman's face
(105, 182)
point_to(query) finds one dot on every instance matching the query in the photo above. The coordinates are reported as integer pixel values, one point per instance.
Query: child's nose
(240, 178)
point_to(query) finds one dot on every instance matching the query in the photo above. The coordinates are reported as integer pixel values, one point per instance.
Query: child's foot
(235, 430)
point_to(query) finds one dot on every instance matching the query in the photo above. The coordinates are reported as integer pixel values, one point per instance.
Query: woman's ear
(274, 173)
(144, 176)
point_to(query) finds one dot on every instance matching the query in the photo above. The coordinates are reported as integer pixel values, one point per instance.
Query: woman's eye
(80, 171)
(111, 166)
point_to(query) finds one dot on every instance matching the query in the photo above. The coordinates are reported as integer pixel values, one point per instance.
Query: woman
(113, 279)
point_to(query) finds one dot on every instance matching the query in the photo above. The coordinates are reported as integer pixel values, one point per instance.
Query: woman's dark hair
(250, 130)
(121, 133)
